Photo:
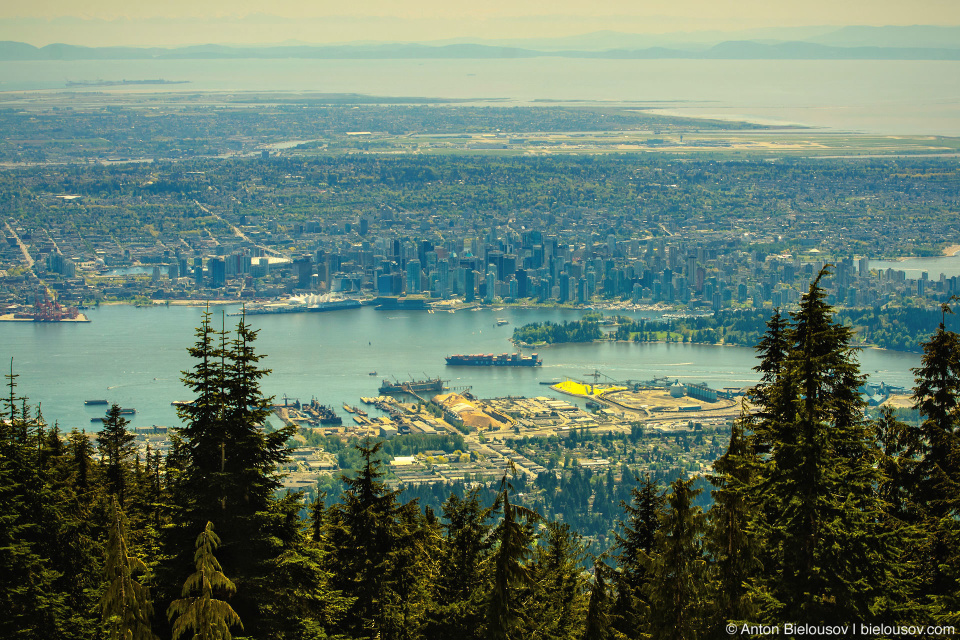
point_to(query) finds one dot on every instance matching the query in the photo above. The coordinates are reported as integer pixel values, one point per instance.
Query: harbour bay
(133, 357)
(908, 97)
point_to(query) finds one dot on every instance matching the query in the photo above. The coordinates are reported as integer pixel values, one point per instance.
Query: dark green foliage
(598, 624)
(905, 328)
(730, 544)
(31, 605)
(511, 573)
(365, 529)
(677, 586)
(936, 473)
(458, 603)
(636, 539)
(116, 449)
(126, 604)
(730, 326)
(224, 468)
(199, 610)
(302, 603)
(817, 515)
(937, 396)
(50, 554)
(769, 398)
(555, 606)
(553, 333)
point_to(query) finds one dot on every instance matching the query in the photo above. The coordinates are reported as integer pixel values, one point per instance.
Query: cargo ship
(491, 360)
(418, 386)
(94, 402)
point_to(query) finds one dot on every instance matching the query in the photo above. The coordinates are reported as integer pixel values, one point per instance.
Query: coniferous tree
(224, 467)
(117, 447)
(825, 554)
(937, 470)
(303, 604)
(83, 529)
(937, 397)
(676, 589)
(33, 602)
(731, 545)
(597, 625)
(768, 396)
(82, 453)
(250, 457)
(364, 533)
(198, 610)
(898, 461)
(125, 603)
(900, 451)
(554, 607)
(511, 570)
(413, 566)
(25, 578)
(635, 540)
(459, 599)
(318, 519)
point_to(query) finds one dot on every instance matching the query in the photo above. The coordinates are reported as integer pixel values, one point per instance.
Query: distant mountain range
(847, 43)
(921, 36)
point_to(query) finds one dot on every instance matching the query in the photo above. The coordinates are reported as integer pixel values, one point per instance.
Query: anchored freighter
(491, 360)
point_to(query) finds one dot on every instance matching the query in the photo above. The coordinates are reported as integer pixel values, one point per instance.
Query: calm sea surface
(133, 356)
(888, 96)
(949, 266)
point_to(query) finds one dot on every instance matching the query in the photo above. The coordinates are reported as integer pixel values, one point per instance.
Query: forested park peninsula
(898, 328)
(815, 515)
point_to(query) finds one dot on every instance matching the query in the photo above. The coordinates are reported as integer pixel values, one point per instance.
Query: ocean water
(874, 96)
(133, 356)
(949, 266)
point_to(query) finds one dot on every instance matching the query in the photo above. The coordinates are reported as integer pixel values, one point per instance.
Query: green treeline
(897, 328)
(585, 498)
(742, 327)
(819, 516)
(553, 333)
(739, 327)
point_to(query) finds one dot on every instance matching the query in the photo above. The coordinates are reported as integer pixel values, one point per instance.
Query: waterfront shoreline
(9, 317)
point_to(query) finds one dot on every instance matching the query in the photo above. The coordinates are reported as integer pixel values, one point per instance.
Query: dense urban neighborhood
(681, 232)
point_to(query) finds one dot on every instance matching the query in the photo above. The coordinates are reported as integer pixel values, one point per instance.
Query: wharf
(15, 317)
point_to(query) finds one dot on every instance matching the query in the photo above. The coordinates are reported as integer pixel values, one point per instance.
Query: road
(23, 248)
(238, 232)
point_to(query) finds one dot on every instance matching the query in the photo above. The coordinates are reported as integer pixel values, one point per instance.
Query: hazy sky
(175, 22)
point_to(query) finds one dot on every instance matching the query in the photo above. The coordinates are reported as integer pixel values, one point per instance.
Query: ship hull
(417, 386)
(490, 360)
